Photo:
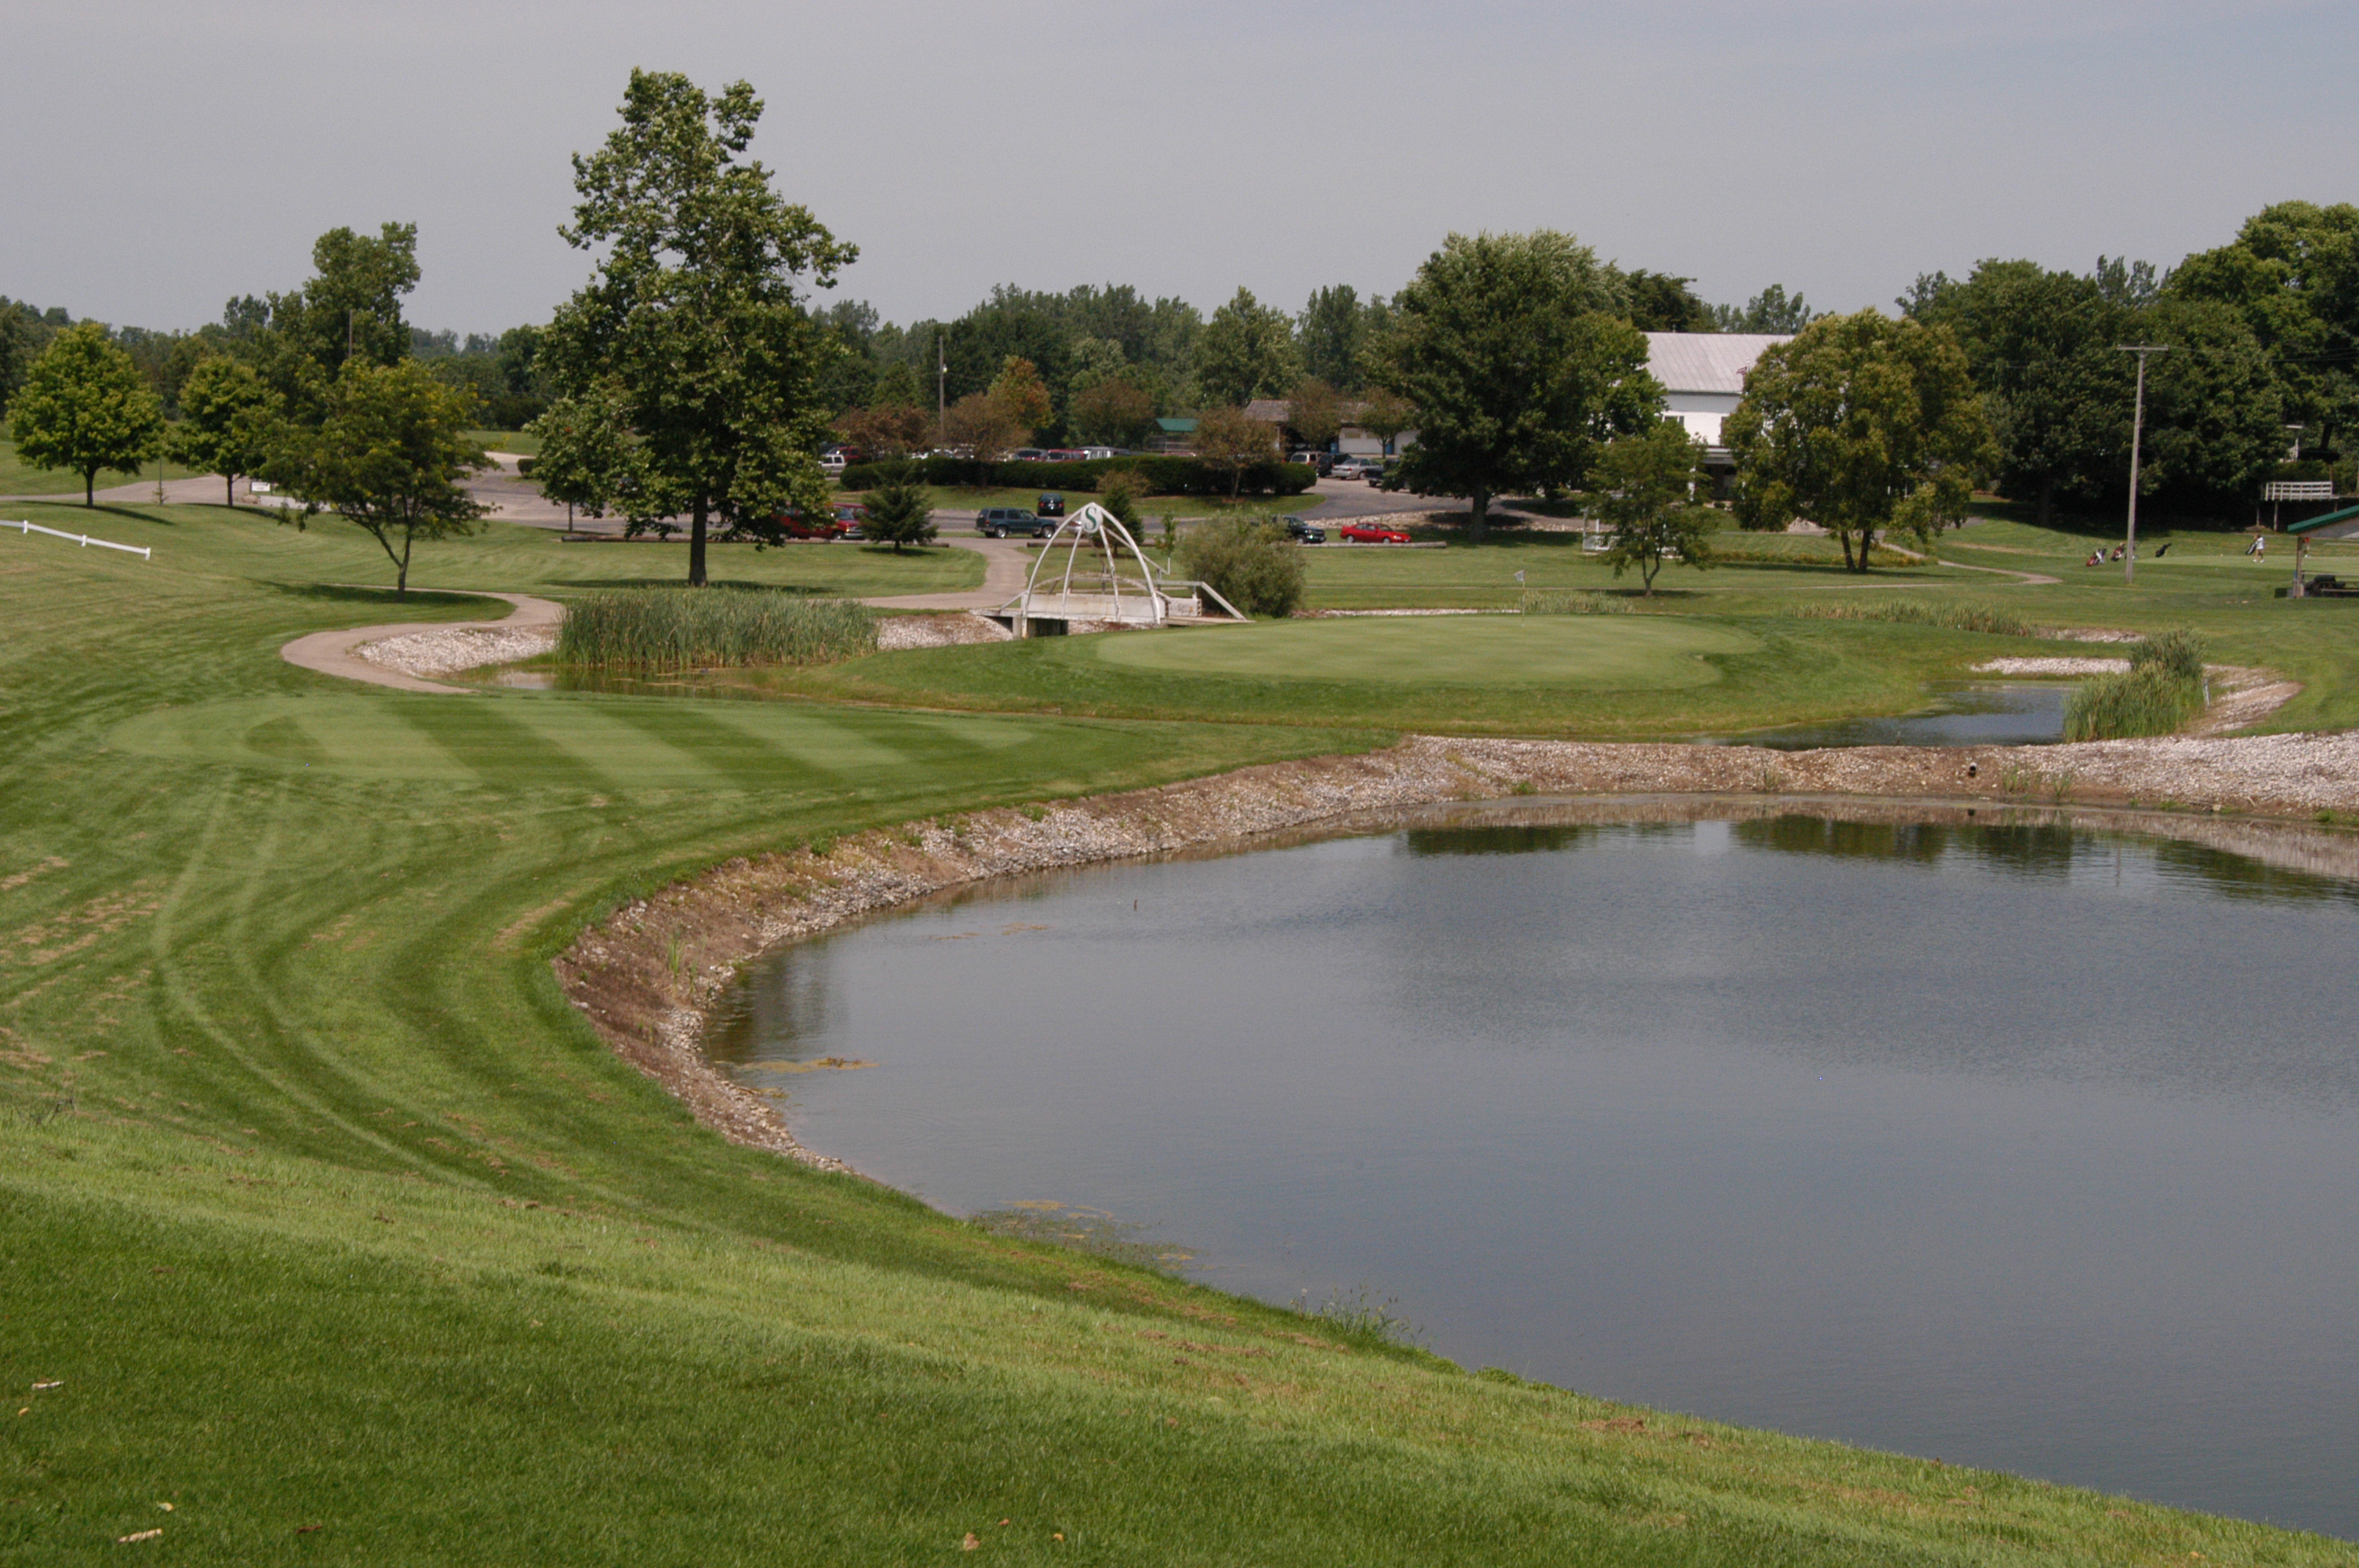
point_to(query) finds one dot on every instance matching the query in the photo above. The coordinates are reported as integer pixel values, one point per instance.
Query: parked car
(851, 520)
(1380, 473)
(1374, 533)
(1303, 533)
(1354, 468)
(831, 464)
(998, 522)
(1051, 504)
(1066, 455)
(1029, 455)
(1322, 462)
(842, 521)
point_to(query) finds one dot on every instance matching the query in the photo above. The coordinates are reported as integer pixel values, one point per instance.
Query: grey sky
(162, 157)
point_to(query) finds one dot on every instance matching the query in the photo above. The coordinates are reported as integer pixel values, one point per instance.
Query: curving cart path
(333, 652)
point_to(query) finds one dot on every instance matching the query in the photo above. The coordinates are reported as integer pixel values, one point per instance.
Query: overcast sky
(162, 157)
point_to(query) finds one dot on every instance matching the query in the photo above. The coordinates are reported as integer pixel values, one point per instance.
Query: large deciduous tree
(389, 456)
(1661, 303)
(1648, 485)
(1332, 334)
(1229, 442)
(2216, 406)
(84, 407)
(694, 321)
(983, 426)
(1516, 352)
(891, 430)
(228, 422)
(1245, 352)
(1113, 414)
(1023, 393)
(1384, 414)
(1863, 424)
(1313, 411)
(2292, 275)
(2043, 348)
(588, 459)
(1771, 310)
(350, 309)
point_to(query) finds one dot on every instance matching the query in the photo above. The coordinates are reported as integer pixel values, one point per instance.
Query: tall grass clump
(2163, 691)
(1954, 616)
(671, 630)
(1571, 602)
(2178, 653)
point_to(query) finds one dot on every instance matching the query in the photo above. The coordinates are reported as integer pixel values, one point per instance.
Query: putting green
(590, 743)
(1595, 652)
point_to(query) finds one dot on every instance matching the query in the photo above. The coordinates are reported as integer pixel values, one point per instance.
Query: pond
(2015, 1144)
(1978, 713)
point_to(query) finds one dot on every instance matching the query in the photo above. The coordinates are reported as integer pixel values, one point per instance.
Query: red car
(843, 523)
(1372, 534)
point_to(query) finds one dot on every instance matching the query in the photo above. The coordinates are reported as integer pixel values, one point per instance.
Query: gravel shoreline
(644, 975)
(447, 650)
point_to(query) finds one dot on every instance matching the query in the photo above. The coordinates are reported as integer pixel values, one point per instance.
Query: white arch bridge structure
(1091, 572)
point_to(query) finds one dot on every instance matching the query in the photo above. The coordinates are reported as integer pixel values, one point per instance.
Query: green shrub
(2178, 653)
(1252, 564)
(2149, 702)
(671, 630)
(1568, 601)
(900, 512)
(1956, 617)
(1119, 492)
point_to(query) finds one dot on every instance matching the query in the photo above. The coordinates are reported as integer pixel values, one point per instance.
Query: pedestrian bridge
(1091, 576)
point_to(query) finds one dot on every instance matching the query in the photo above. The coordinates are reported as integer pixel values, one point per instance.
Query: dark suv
(1051, 505)
(998, 522)
(1303, 533)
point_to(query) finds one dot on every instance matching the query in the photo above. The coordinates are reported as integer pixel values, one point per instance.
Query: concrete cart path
(1007, 566)
(332, 652)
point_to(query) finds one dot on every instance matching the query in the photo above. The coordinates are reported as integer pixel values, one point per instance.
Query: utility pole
(941, 384)
(2138, 431)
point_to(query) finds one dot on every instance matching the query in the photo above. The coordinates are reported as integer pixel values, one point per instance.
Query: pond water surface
(2017, 1146)
(1980, 713)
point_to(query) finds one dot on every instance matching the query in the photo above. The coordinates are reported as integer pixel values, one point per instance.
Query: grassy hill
(331, 1226)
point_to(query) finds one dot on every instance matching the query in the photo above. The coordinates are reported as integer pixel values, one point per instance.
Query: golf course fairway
(334, 1233)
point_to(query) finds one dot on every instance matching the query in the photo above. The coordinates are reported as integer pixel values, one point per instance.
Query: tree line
(691, 382)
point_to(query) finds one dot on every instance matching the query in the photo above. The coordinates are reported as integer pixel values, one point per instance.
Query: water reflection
(2022, 1143)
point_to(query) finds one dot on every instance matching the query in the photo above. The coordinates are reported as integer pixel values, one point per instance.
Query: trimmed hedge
(1163, 475)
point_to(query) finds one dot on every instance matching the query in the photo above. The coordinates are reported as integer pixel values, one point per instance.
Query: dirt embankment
(644, 977)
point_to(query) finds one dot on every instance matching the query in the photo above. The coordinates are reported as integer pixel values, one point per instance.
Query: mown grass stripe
(497, 745)
(739, 757)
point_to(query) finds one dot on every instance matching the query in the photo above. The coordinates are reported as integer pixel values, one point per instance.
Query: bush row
(1163, 475)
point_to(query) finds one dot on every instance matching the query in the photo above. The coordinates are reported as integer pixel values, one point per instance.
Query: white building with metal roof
(1704, 375)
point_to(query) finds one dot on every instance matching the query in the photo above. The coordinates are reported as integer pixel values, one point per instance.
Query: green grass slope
(331, 1226)
(1609, 676)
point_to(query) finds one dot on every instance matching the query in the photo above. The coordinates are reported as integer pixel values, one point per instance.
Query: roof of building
(1270, 410)
(1178, 427)
(2337, 524)
(1706, 362)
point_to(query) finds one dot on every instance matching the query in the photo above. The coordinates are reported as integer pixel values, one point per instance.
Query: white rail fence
(139, 550)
